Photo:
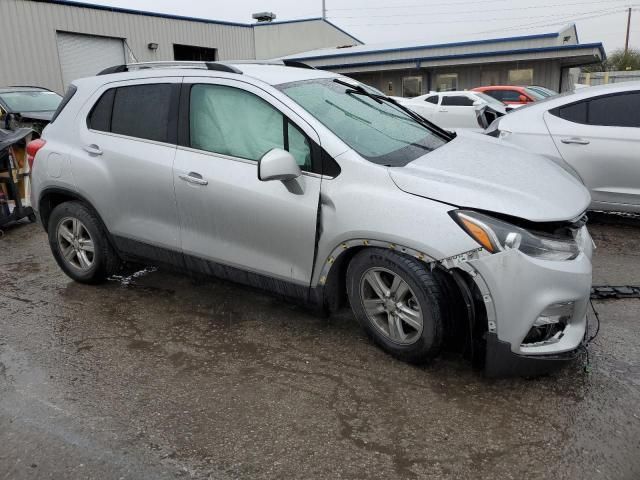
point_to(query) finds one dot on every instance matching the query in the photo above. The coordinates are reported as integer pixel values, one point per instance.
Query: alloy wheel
(75, 243)
(391, 305)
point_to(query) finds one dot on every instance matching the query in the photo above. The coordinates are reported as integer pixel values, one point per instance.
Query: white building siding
(30, 53)
(279, 39)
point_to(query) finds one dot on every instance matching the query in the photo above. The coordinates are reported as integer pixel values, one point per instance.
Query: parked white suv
(311, 185)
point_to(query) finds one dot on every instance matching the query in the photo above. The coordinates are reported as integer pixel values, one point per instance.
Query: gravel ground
(160, 377)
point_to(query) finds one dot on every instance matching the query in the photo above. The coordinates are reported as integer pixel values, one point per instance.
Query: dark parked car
(30, 107)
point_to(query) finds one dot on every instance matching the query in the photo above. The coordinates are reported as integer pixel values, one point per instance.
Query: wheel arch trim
(74, 195)
(335, 254)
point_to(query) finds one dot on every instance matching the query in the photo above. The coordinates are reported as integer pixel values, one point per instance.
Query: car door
(123, 162)
(426, 107)
(227, 215)
(600, 138)
(457, 111)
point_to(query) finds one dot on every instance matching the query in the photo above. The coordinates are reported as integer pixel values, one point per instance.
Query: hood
(40, 116)
(480, 172)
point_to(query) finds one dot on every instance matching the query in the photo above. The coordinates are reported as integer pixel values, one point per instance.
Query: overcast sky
(428, 21)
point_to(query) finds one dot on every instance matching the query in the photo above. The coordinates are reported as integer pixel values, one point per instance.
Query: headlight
(497, 236)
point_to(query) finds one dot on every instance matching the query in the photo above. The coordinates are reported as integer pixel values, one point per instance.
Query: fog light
(549, 326)
(556, 313)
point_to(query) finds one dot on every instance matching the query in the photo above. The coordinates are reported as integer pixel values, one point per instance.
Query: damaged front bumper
(536, 310)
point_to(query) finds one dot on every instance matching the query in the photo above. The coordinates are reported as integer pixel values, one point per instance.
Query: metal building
(51, 42)
(412, 69)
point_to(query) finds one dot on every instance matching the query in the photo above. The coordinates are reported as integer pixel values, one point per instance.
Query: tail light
(32, 148)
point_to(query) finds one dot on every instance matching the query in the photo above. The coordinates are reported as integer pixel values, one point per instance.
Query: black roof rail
(296, 64)
(215, 66)
(114, 69)
(222, 67)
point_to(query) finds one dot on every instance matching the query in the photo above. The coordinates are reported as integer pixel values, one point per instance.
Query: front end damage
(523, 316)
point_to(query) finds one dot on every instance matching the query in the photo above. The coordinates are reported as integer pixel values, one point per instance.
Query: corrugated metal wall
(545, 73)
(280, 39)
(29, 51)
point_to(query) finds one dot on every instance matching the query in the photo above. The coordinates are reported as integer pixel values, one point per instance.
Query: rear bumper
(501, 362)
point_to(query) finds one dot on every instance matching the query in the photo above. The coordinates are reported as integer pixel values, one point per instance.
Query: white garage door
(85, 55)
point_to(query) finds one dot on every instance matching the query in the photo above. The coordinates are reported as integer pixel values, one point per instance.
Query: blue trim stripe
(417, 61)
(69, 3)
(430, 47)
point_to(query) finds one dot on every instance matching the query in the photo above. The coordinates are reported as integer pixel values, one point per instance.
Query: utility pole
(324, 9)
(626, 45)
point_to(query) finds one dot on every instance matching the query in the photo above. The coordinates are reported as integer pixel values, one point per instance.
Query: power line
(562, 20)
(463, 2)
(441, 22)
(481, 11)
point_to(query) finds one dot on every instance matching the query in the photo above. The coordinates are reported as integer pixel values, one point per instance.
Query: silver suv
(316, 187)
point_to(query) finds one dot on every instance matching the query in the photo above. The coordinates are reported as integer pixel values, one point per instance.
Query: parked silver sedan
(313, 186)
(595, 130)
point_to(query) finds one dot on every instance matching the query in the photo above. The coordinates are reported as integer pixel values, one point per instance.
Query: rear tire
(80, 245)
(398, 302)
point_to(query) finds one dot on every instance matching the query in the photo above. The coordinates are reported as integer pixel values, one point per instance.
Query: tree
(618, 60)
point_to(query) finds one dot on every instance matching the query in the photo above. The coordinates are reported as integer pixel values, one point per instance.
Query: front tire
(80, 245)
(398, 302)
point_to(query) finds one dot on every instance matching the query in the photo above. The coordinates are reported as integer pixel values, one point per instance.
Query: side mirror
(523, 99)
(477, 103)
(278, 164)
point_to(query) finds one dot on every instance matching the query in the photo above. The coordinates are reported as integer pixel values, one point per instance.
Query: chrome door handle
(93, 149)
(575, 141)
(193, 177)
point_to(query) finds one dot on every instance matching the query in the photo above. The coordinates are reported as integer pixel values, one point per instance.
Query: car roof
(270, 73)
(566, 98)
(500, 87)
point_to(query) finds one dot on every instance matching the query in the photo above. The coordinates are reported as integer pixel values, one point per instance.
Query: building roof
(558, 44)
(73, 3)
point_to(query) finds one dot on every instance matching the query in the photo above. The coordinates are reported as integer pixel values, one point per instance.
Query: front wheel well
(465, 315)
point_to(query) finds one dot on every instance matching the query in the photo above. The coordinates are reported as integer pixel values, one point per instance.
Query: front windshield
(490, 100)
(33, 101)
(379, 131)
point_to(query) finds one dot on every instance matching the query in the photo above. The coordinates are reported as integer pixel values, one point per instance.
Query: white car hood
(480, 172)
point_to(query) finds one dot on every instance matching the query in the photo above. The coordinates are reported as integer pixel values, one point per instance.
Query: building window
(447, 82)
(521, 77)
(411, 87)
(194, 54)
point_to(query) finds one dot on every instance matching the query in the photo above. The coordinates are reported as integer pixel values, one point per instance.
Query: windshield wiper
(360, 90)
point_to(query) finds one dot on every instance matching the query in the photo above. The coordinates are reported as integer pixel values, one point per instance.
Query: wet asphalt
(158, 376)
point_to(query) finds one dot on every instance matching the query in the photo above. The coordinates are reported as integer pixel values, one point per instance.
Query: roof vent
(262, 17)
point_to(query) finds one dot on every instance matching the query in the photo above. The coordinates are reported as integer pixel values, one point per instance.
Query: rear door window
(457, 101)
(140, 111)
(615, 110)
(621, 110)
(432, 99)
